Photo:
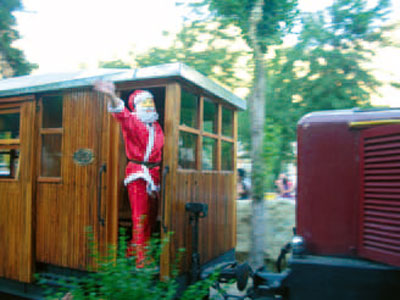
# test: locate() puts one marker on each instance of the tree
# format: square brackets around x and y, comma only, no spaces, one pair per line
[203,46]
[200,45]
[12,60]
[327,68]
[263,23]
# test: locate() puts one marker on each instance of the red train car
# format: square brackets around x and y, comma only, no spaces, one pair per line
[349,184]
[348,205]
[347,242]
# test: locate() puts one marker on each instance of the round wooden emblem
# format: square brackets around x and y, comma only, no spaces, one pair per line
[83,157]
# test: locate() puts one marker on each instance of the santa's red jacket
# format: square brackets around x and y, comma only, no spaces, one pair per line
[143,143]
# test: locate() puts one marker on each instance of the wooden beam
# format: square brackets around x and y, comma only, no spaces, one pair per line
[9,109]
[170,159]
[189,129]
[51,130]
[17,98]
[146,84]
[4,142]
[210,135]
[114,195]
[219,150]
[9,147]
[228,139]
[234,184]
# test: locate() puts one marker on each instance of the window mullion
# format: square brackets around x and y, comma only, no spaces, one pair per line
[200,136]
[219,130]
[9,142]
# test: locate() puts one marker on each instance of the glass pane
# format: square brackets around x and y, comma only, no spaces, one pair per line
[210,119]
[227,122]
[209,154]
[189,109]
[187,150]
[52,112]
[51,155]
[9,126]
[227,156]
[9,160]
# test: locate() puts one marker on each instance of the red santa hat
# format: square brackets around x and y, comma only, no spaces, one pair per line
[137,97]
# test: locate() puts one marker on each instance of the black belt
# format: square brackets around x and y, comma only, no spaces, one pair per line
[147,164]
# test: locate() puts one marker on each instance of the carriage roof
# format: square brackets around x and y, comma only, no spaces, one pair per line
[350,115]
[50,82]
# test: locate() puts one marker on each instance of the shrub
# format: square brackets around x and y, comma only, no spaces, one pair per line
[116,277]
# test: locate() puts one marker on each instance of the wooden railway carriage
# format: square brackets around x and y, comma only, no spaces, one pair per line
[62,165]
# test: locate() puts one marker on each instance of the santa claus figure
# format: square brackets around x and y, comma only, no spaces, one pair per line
[144,141]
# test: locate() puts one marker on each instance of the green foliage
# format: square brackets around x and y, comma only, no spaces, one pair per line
[327,68]
[12,56]
[278,17]
[203,46]
[116,277]
[118,64]
[275,152]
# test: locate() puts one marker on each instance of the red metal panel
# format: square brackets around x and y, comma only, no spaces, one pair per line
[328,192]
[380,194]
[333,179]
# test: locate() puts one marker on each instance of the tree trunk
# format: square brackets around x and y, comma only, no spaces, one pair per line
[257,115]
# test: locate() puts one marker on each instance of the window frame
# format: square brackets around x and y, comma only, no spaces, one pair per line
[200,133]
[48,131]
[12,144]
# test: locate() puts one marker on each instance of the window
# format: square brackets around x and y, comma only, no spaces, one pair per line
[210,116]
[9,163]
[206,140]
[51,132]
[189,109]
[209,154]
[227,122]
[187,150]
[9,143]
[226,156]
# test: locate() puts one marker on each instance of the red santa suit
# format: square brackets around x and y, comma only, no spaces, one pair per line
[144,140]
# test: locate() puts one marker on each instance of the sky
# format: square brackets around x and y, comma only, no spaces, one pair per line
[64,35]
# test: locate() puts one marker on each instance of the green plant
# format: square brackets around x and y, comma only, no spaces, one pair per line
[115,276]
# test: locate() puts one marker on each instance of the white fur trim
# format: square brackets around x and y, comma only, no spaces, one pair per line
[145,175]
[142,96]
[150,142]
[116,109]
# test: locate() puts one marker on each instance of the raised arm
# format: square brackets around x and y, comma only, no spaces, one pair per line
[108,89]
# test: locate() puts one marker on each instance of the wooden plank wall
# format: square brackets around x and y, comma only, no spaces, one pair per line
[16,221]
[216,232]
[65,209]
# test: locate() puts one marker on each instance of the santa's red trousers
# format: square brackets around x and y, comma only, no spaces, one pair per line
[144,215]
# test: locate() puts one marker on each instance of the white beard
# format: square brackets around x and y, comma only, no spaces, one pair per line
[147,117]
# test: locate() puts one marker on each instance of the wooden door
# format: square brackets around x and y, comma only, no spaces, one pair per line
[16,188]
[73,138]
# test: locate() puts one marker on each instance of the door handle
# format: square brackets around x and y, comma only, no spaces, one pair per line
[164,177]
[102,170]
